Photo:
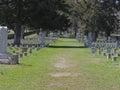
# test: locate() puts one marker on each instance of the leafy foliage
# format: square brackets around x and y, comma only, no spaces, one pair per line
[51,15]
[97,15]
[45,14]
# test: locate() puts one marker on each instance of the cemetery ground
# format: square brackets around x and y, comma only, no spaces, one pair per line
[62,68]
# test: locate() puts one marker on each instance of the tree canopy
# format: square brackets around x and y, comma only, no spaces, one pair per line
[97,15]
[51,15]
[44,14]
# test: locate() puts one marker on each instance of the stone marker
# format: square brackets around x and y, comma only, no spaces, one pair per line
[89,39]
[4,56]
[21,55]
[114,58]
[25,53]
[24,49]
[108,56]
[93,50]
[103,54]
[51,36]
[14,59]
[42,36]
[108,50]
[30,50]
[118,54]
[99,50]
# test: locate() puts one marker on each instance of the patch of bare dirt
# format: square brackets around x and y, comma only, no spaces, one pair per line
[65,74]
[61,63]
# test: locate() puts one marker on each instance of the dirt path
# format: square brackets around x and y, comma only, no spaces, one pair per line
[64,68]
[62,63]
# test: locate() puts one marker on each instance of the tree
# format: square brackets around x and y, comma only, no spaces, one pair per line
[38,14]
[97,15]
[108,16]
[52,15]
[16,14]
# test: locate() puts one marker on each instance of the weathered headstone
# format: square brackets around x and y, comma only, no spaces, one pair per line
[4,56]
[93,50]
[99,50]
[108,50]
[25,54]
[51,36]
[78,37]
[115,51]
[108,56]
[3,39]
[24,49]
[42,36]
[30,50]
[109,38]
[89,39]
[103,54]
[14,59]
[118,54]
[114,58]
[21,55]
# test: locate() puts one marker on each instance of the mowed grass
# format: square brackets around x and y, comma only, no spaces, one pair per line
[67,42]
[61,69]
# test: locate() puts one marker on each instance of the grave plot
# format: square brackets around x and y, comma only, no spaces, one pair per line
[110,49]
[27,46]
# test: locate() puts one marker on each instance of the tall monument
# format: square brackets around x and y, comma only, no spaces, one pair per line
[3,45]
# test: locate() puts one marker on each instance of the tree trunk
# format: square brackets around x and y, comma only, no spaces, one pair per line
[17,35]
[75,28]
[22,32]
[107,34]
[95,35]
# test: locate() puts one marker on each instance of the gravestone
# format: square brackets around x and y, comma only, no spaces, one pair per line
[4,56]
[109,38]
[103,54]
[108,56]
[78,37]
[14,59]
[21,55]
[114,58]
[99,50]
[108,49]
[42,35]
[30,50]
[93,50]
[51,36]
[89,39]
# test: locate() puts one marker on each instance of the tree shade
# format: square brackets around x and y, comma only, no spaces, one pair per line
[97,15]
[45,14]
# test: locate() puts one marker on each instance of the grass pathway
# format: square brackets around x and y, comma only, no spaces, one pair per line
[61,69]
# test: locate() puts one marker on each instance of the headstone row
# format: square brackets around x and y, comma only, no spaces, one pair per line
[110,49]
[27,45]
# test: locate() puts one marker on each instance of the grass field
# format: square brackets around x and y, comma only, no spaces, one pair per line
[61,69]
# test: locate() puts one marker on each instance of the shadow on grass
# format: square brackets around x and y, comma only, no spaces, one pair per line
[22,64]
[66,46]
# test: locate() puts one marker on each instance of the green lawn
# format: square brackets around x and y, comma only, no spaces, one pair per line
[61,69]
